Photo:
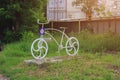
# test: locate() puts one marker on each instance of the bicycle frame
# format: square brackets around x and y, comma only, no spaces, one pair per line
[53,29]
[63,34]
[39,47]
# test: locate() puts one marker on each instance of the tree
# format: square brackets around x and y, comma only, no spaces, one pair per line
[16,15]
[89,7]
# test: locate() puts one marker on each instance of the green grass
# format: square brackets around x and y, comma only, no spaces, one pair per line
[90,42]
[87,65]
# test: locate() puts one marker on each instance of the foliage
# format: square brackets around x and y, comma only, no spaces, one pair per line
[20,48]
[20,15]
[11,36]
[90,42]
[90,7]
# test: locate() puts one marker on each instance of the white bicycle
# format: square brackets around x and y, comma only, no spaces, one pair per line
[39,47]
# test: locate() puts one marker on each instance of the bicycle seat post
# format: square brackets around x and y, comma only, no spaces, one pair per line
[63,33]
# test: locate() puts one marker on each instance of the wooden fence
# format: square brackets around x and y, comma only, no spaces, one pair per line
[96,25]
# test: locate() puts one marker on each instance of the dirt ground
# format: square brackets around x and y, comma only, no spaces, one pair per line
[3,77]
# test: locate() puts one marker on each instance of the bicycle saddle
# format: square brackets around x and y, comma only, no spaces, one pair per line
[63,27]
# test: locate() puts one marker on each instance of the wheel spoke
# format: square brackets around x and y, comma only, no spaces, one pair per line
[39,48]
[40,44]
[36,50]
[72,46]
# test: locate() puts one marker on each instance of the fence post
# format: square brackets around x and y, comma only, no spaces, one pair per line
[115,26]
[52,24]
[79,27]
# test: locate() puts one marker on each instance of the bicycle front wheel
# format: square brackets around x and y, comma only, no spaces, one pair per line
[72,46]
[39,48]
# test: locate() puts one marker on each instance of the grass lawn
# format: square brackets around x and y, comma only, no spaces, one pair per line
[98,59]
[84,66]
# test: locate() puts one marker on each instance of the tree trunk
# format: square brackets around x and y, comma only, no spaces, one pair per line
[17,22]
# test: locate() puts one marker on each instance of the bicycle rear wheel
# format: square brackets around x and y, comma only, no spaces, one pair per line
[72,46]
[39,48]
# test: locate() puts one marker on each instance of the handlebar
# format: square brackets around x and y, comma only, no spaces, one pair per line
[38,22]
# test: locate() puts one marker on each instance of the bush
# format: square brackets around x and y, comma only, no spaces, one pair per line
[21,48]
[11,36]
[28,36]
[98,42]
